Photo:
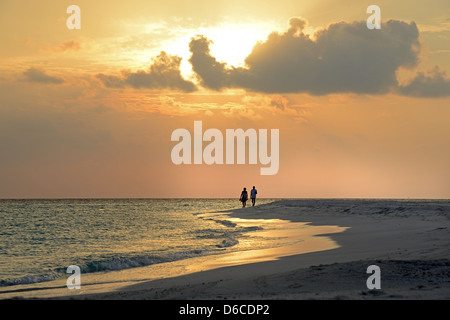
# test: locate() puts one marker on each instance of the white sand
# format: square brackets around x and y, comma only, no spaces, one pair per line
[409,241]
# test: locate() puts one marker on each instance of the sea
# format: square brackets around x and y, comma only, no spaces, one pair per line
[41,238]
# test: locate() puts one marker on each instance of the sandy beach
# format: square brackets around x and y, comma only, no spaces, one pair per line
[408,241]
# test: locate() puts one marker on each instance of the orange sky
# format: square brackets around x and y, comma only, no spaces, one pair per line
[90,112]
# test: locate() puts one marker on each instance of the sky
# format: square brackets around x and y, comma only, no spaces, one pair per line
[89,112]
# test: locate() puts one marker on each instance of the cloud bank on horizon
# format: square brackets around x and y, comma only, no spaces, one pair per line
[345,57]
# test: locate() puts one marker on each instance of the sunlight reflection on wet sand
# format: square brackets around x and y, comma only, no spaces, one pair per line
[282,238]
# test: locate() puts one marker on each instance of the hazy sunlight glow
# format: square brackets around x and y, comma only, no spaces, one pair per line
[231,43]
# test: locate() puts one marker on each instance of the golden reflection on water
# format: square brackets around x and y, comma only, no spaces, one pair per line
[278,238]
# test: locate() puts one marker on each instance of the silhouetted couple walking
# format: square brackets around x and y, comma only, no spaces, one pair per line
[244,196]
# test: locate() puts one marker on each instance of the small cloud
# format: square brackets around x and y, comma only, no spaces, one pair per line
[65,46]
[36,75]
[163,73]
[70,45]
[434,83]
[296,25]
[279,102]
[111,81]
[441,27]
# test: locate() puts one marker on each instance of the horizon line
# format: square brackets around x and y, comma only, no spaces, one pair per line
[221,198]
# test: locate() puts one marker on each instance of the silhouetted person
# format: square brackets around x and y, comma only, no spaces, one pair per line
[253,193]
[244,197]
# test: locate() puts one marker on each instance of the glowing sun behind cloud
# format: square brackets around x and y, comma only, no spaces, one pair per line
[234,42]
[231,42]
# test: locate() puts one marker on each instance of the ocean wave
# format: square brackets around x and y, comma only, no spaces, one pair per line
[121,263]
[252,228]
[169,230]
[228,243]
[209,233]
[29,279]
[113,264]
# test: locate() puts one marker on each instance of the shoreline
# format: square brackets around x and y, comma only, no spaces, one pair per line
[408,241]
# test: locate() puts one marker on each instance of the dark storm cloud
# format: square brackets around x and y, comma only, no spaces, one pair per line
[343,58]
[163,73]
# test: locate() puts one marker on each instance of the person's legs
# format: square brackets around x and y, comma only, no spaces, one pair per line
[253,201]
